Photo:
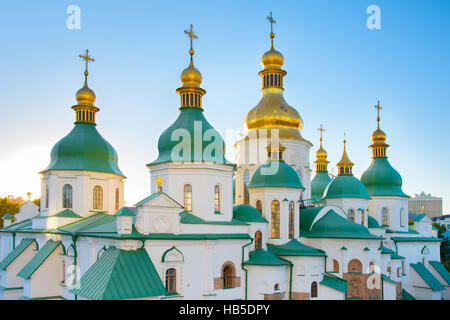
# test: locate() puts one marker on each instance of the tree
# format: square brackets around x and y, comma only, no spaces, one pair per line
[37,202]
[8,206]
[445,245]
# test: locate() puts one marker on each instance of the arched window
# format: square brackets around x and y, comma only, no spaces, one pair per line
[384,217]
[291,220]
[389,269]
[171,280]
[275,219]
[399,272]
[276,287]
[46,197]
[188,198]
[371,267]
[335,265]
[217,199]
[355,266]
[347,170]
[259,206]
[228,276]
[67,196]
[314,290]
[98,198]
[362,217]
[351,215]
[258,240]
[402,217]
[117,199]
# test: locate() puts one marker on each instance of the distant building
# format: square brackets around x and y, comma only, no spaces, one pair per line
[443,220]
[426,203]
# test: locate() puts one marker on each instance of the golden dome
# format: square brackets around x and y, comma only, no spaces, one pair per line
[378,136]
[272,59]
[191,76]
[321,153]
[85,96]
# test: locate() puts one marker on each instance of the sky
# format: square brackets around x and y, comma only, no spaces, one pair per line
[337,70]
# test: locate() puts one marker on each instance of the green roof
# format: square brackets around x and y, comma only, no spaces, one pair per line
[38,259]
[153,196]
[121,274]
[22,225]
[414,239]
[393,254]
[7,217]
[284,177]
[84,149]
[97,223]
[125,212]
[260,257]
[192,120]
[427,276]
[345,186]
[386,278]
[23,245]
[67,213]
[381,179]
[331,225]
[334,282]
[441,270]
[247,213]
[294,248]
[189,218]
[319,184]
[372,222]
[406,295]
[419,217]
[409,231]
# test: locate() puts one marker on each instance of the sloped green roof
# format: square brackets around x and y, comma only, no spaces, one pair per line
[409,231]
[294,248]
[67,213]
[247,213]
[331,225]
[189,218]
[153,196]
[23,245]
[97,223]
[406,295]
[372,222]
[427,276]
[441,270]
[334,282]
[419,217]
[22,225]
[125,212]
[38,259]
[192,120]
[386,278]
[121,274]
[381,179]
[284,177]
[260,257]
[84,149]
[393,254]
[345,186]
[7,217]
[319,184]
[414,239]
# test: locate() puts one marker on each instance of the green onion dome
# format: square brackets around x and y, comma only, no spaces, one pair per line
[201,137]
[284,177]
[372,223]
[84,149]
[319,184]
[381,179]
[247,213]
[345,186]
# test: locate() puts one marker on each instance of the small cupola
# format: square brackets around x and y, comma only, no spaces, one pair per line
[345,166]
[124,220]
[7,220]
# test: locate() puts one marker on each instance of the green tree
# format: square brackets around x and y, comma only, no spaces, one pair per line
[445,245]
[37,202]
[8,206]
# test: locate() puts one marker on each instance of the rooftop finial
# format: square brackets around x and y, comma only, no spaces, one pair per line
[192,36]
[272,21]
[378,107]
[86,57]
[321,129]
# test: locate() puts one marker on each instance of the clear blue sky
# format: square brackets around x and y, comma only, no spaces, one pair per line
[337,70]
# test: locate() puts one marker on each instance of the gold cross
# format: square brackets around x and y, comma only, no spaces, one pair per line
[378,107]
[321,129]
[192,36]
[272,21]
[88,59]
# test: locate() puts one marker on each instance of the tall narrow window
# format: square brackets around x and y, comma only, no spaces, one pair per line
[402,217]
[46,197]
[362,217]
[314,290]
[384,217]
[117,199]
[217,199]
[67,196]
[258,240]
[259,206]
[188,198]
[351,215]
[275,219]
[335,266]
[98,198]
[291,220]
[171,280]
[228,276]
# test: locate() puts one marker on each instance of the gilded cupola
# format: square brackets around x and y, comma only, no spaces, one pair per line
[273,112]
[379,145]
[321,155]
[345,166]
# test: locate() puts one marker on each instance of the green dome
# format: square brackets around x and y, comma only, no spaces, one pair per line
[84,149]
[345,186]
[187,120]
[285,177]
[247,213]
[381,179]
[372,222]
[319,184]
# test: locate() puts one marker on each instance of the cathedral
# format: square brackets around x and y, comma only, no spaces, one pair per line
[263,228]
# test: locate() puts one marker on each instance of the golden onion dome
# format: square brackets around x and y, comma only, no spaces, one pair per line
[321,153]
[378,136]
[272,59]
[85,96]
[191,76]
